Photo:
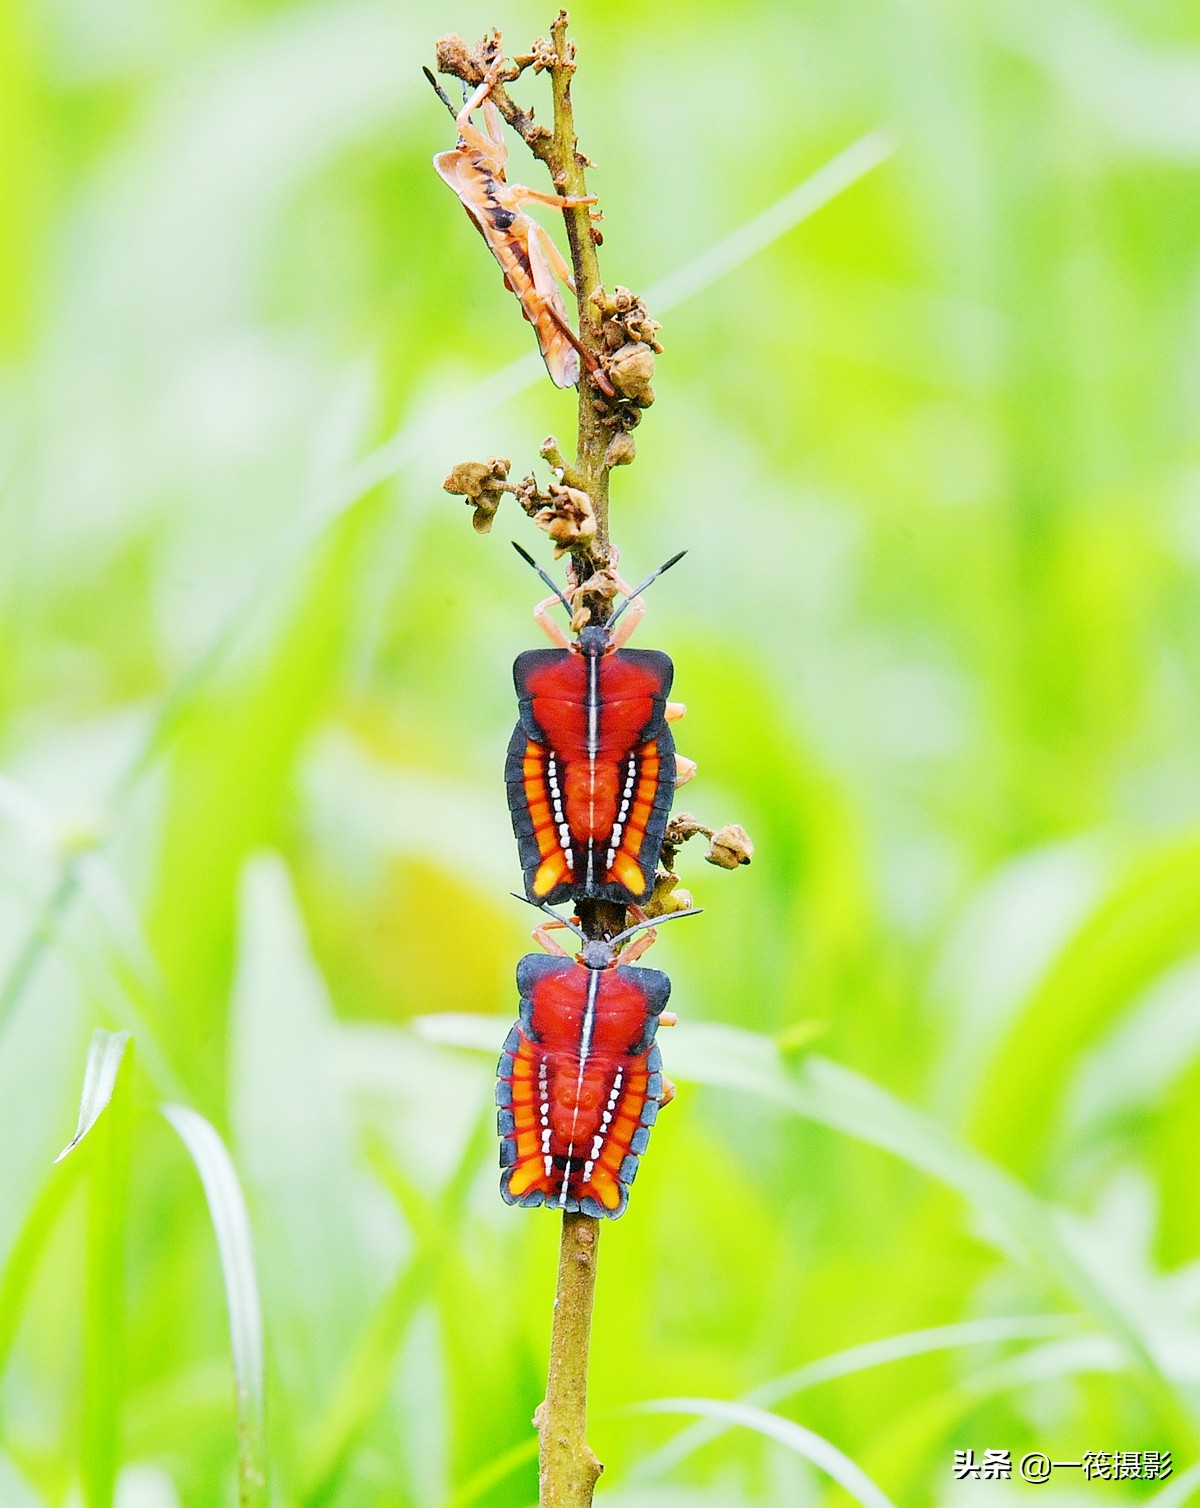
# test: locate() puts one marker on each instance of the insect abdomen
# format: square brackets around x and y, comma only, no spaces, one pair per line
[578,1089]
[590,773]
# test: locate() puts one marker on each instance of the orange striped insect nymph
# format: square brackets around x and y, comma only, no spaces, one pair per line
[532,264]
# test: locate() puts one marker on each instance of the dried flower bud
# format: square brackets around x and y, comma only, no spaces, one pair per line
[483,484]
[683,826]
[453,55]
[622,449]
[677,899]
[568,519]
[730,846]
[599,584]
[471,479]
[631,369]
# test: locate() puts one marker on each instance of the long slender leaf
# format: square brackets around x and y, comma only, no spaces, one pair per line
[804,1442]
[99,1078]
[231,1225]
[482,1481]
[26,1252]
[368,1372]
[1183,1490]
[15,1491]
[846,1364]
[104,1322]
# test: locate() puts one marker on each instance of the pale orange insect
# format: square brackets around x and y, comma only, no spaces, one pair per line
[528,257]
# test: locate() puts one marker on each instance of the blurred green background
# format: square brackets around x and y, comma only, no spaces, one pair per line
[935,458]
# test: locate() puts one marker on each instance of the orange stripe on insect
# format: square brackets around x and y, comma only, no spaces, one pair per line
[551,873]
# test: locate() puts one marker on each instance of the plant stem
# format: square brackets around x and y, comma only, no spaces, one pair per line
[567,1469]
[567,168]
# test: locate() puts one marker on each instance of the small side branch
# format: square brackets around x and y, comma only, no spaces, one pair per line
[568,1470]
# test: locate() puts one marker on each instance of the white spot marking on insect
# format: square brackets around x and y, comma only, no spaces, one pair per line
[544,1103]
[614,846]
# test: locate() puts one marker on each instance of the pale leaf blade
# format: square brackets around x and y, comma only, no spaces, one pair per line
[231,1226]
[99,1079]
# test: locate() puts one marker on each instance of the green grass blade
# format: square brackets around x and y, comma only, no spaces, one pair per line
[104,1317]
[365,1379]
[15,1491]
[1148,923]
[25,1254]
[845,1101]
[482,1481]
[847,1363]
[99,1078]
[834,177]
[804,1442]
[1183,1490]
[231,1225]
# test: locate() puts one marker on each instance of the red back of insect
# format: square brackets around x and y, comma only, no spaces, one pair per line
[591,772]
[579,1084]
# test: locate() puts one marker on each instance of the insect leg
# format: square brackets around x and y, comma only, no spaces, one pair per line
[471,133]
[633,615]
[674,711]
[668,1091]
[542,938]
[685,770]
[541,616]
[521,191]
[495,130]
[551,259]
[638,946]
[668,1018]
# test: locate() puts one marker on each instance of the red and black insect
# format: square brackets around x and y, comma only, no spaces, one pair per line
[591,767]
[579,1082]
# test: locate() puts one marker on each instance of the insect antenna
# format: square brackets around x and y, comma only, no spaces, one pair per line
[654,921]
[637,592]
[529,560]
[543,906]
[441,93]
